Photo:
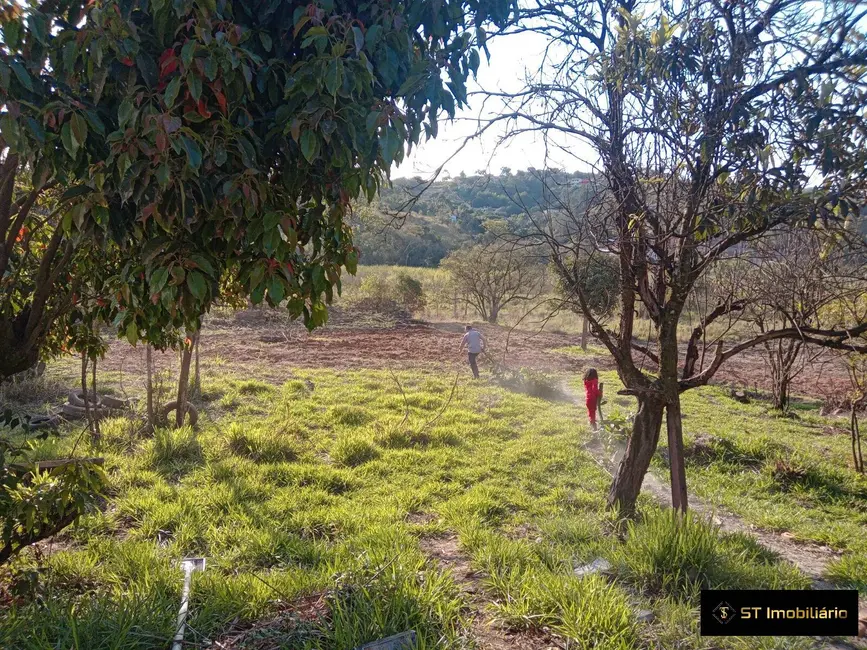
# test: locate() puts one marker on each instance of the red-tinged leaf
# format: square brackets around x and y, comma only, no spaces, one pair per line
[246,189]
[203,109]
[162,141]
[171,66]
[221,100]
[166,55]
[127,62]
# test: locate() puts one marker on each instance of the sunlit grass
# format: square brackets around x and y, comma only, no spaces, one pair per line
[309,486]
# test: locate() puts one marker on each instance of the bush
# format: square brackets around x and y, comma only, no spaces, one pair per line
[350,415]
[259,445]
[410,293]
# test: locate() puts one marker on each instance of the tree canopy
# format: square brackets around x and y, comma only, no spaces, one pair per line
[200,138]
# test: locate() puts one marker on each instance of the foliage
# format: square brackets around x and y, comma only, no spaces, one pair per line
[383,290]
[491,276]
[410,292]
[37,504]
[706,149]
[197,138]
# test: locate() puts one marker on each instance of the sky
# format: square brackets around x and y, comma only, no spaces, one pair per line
[511,56]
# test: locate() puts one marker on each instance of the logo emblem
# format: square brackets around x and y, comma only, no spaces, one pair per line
[724,613]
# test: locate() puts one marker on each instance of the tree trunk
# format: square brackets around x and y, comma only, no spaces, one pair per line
[150,388]
[493,314]
[781,398]
[857,458]
[642,445]
[184,384]
[674,426]
[96,431]
[585,332]
[197,380]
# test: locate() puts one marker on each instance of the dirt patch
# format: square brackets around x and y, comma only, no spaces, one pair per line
[296,623]
[446,553]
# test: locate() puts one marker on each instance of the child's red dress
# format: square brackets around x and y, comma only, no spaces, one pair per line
[591,390]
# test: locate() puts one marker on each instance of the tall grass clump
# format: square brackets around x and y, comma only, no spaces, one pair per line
[258,444]
[171,448]
[353,450]
[669,552]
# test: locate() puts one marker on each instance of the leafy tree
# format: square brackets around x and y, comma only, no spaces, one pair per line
[491,276]
[410,292]
[197,137]
[35,503]
[714,125]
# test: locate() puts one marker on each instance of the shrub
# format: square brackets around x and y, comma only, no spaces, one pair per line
[353,450]
[409,292]
[259,445]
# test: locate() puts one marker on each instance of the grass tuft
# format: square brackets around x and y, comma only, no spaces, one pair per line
[352,450]
[258,444]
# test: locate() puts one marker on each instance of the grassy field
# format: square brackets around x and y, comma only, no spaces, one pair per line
[328,487]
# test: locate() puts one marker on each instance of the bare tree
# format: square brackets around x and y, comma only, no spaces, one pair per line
[713,125]
[794,279]
[491,276]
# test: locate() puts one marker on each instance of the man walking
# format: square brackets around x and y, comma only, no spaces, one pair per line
[475,343]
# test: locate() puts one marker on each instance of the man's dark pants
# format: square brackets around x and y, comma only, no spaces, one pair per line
[472,357]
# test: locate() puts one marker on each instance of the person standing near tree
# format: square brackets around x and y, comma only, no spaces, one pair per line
[475,343]
[592,394]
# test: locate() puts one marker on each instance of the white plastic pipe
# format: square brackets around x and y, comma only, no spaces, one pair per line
[188,567]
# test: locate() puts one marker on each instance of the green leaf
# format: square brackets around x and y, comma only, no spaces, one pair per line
[359,38]
[194,153]
[197,284]
[309,145]
[172,92]
[163,175]
[125,112]
[132,333]
[69,142]
[372,36]
[159,279]
[266,41]
[202,262]
[276,290]
[22,75]
[211,68]
[75,191]
[333,76]
[372,119]
[187,52]
[9,129]
[195,86]
[79,128]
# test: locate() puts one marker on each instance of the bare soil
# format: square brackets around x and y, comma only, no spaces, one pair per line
[273,346]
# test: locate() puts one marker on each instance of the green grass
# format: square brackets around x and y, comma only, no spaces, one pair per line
[292,492]
[783,474]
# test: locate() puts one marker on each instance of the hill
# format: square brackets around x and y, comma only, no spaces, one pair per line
[412,225]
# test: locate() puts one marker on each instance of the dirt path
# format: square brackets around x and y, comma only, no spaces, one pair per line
[446,553]
[810,559]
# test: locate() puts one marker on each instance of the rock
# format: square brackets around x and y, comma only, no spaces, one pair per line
[787,535]
[740,396]
[646,616]
[598,565]
[403,641]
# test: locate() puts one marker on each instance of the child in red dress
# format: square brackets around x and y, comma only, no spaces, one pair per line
[591,391]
